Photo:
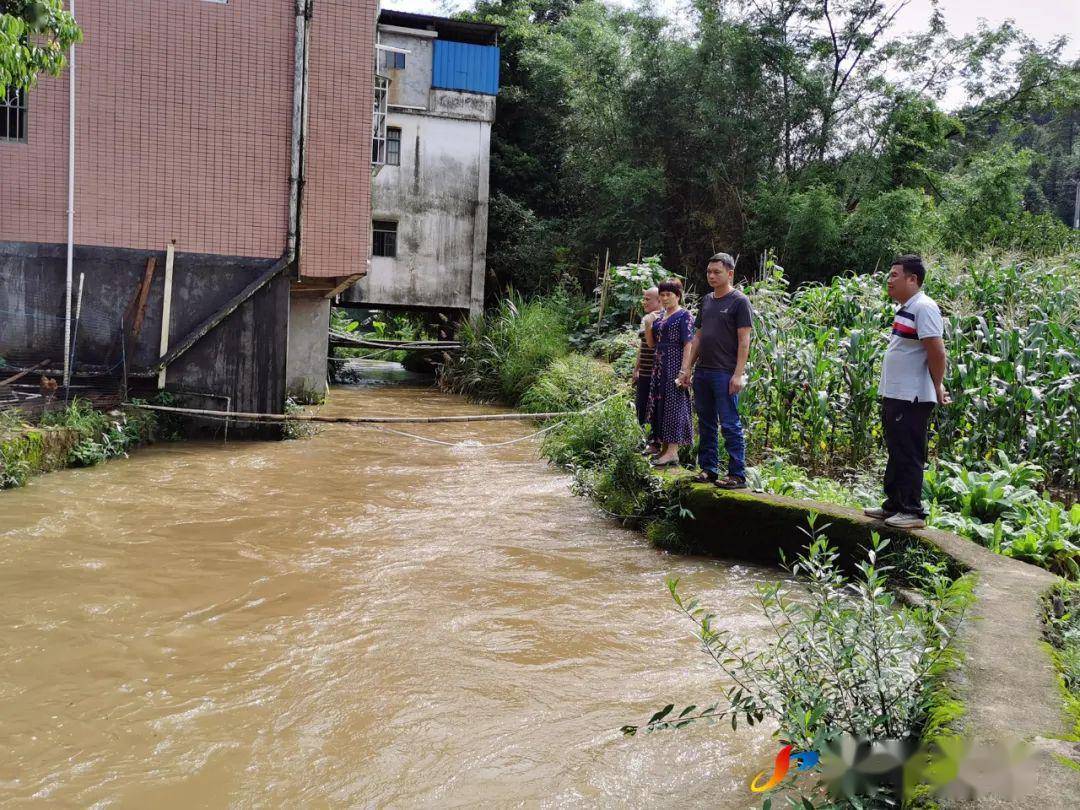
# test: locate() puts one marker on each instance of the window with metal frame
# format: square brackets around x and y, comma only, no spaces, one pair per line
[397,60]
[393,146]
[13,115]
[378,122]
[384,238]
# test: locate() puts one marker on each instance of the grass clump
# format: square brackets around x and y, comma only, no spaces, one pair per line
[101,435]
[602,448]
[569,384]
[504,352]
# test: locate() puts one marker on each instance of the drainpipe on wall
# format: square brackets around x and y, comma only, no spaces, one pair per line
[71,208]
[299,124]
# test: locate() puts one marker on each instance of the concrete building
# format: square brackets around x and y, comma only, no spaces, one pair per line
[240,135]
[430,190]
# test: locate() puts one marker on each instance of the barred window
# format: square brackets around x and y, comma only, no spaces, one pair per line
[393,146]
[384,238]
[13,115]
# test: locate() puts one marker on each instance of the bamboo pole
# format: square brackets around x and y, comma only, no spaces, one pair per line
[353,420]
[604,287]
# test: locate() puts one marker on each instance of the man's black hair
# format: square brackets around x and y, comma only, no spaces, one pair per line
[671,285]
[913,266]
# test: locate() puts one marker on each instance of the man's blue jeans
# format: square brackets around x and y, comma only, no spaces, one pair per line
[715,406]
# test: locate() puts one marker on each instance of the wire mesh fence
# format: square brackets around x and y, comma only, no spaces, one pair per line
[47,359]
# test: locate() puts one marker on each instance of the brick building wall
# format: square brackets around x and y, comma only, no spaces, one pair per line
[336,214]
[183,122]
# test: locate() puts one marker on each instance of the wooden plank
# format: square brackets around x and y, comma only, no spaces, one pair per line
[24,372]
[200,331]
[166,309]
[143,296]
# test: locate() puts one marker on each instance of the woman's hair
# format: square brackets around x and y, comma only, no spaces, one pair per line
[671,285]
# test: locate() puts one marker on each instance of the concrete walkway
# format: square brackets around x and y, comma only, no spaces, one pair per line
[1008,682]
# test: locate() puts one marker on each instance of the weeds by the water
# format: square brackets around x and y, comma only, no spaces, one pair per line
[847,658]
[504,353]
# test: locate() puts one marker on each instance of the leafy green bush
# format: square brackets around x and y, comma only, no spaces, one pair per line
[103,435]
[620,349]
[602,447]
[504,352]
[846,660]
[569,384]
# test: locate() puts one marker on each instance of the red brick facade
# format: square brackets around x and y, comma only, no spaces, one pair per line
[337,192]
[183,127]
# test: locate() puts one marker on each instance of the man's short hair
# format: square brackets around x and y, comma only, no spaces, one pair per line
[723,258]
[652,289]
[671,285]
[913,266]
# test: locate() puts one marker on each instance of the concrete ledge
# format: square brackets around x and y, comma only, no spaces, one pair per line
[1008,682]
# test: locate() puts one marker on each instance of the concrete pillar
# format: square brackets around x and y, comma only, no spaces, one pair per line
[309,323]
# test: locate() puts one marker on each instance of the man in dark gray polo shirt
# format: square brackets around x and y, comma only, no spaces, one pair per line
[720,348]
[912,383]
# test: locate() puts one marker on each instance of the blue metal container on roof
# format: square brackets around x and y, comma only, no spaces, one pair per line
[462,66]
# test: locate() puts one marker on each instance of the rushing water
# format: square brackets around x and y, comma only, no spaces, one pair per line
[358,619]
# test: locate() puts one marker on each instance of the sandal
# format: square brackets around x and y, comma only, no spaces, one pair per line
[673,463]
[704,477]
[731,482]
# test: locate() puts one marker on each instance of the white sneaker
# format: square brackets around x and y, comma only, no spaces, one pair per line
[877,513]
[902,521]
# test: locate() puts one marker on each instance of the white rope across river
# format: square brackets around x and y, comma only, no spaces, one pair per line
[377,422]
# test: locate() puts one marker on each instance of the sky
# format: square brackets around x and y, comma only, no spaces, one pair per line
[1041,19]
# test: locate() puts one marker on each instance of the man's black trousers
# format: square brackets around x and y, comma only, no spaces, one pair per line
[906,433]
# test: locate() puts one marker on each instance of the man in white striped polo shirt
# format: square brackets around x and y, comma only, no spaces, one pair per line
[912,383]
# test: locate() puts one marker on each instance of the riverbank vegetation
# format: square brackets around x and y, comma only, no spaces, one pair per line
[74,436]
[1006,445]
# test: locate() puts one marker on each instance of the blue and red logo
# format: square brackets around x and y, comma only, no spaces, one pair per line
[785,760]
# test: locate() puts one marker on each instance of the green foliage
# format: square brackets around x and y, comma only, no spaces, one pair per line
[846,658]
[982,199]
[602,447]
[505,351]
[34,38]
[1061,617]
[295,428]
[619,349]
[569,384]
[750,127]
[625,284]
[1013,338]
[101,435]
[885,226]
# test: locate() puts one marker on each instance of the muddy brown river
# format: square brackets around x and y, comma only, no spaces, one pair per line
[353,620]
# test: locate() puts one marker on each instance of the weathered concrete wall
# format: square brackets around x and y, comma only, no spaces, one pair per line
[409,87]
[242,358]
[439,198]
[309,321]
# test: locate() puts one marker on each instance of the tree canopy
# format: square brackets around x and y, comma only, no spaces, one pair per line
[34,37]
[810,129]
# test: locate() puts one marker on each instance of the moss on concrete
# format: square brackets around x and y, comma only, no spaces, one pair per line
[34,450]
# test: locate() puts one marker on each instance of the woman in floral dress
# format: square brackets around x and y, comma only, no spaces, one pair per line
[669,404]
